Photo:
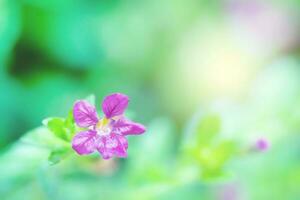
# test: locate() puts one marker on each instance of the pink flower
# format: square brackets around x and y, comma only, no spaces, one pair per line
[105,135]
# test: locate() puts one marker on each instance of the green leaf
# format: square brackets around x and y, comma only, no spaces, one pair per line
[70,125]
[57,126]
[208,127]
[58,154]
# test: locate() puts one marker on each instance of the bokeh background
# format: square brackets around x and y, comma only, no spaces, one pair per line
[207,77]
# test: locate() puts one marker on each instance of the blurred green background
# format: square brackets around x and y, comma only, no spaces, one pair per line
[207,78]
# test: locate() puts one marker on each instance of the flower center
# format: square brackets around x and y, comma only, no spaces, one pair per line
[103,126]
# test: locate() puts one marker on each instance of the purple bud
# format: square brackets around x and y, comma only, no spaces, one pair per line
[262,144]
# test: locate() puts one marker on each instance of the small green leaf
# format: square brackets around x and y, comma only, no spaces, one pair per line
[69,122]
[70,125]
[208,127]
[58,154]
[57,126]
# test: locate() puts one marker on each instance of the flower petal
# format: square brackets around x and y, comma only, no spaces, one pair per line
[120,150]
[85,114]
[112,145]
[114,105]
[84,142]
[126,127]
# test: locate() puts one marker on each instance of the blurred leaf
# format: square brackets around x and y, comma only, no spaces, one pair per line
[210,152]
[208,127]
[224,151]
[157,145]
[22,160]
[208,174]
[213,159]
[10,26]
[42,137]
[59,154]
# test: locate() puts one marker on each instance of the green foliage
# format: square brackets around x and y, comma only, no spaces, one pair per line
[57,126]
[63,129]
[207,129]
[208,149]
